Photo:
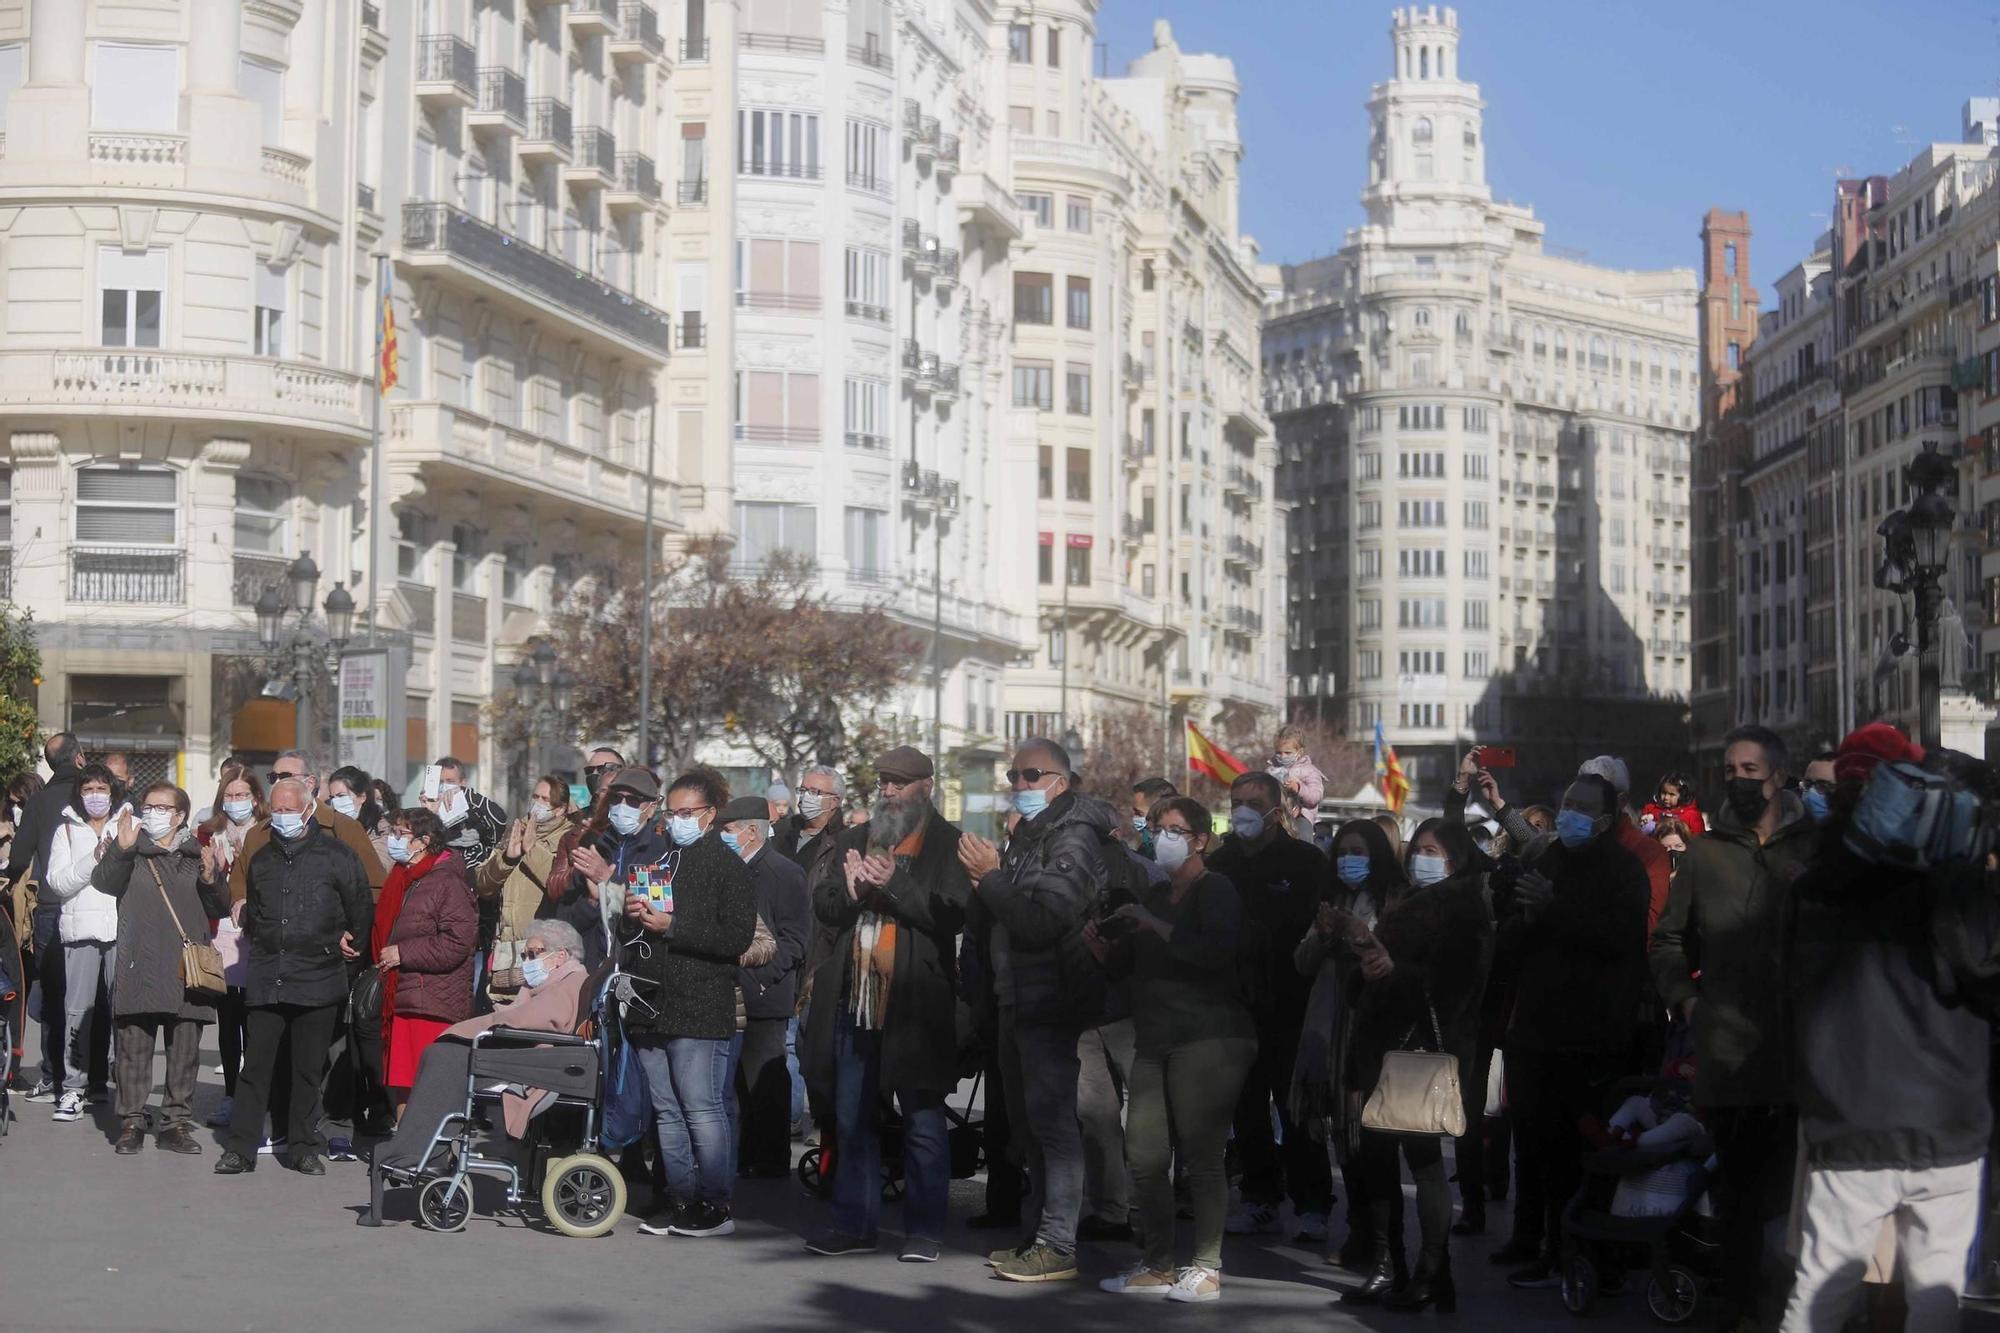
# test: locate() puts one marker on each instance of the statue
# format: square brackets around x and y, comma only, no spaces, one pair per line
[1163,34]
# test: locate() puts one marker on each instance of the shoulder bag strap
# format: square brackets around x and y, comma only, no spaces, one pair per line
[162,885]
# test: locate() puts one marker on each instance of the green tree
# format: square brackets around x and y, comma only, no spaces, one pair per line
[20,679]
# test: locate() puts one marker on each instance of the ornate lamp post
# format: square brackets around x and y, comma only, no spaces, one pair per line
[1916,550]
[294,642]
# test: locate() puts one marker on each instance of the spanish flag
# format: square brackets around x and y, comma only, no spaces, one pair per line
[1389,773]
[1205,756]
[385,339]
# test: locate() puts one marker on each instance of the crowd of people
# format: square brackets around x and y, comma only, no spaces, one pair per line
[1159,1003]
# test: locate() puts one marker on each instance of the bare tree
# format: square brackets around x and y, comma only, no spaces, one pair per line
[1122,747]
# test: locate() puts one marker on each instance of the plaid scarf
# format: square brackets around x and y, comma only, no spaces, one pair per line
[873,962]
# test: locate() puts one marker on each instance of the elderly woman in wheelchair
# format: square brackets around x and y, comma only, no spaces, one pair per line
[541,1051]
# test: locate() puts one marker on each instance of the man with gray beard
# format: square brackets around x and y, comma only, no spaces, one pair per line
[885,1005]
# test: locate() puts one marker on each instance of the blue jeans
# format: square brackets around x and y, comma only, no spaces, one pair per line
[792,1066]
[857,1157]
[729,1103]
[687,1076]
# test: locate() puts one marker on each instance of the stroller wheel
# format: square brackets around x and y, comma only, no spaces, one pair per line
[1579,1284]
[445,1203]
[583,1195]
[808,1170]
[1673,1295]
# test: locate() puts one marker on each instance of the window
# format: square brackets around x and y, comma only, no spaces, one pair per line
[1419,513]
[1476,664]
[1729,260]
[694,162]
[136,87]
[1420,563]
[1420,416]
[1055,47]
[1475,615]
[1076,213]
[1034,298]
[1042,206]
[1076,474]
[1735,357]
[1021,119]
[1045,558]
[777,275]
[864,543]
[122,505]
[1368,514]
[1021,44]
[413,544]
[1045,472]
[467,548]
[1077,564]
[1368,664]
[778,143]
[1420,465]
[1420,662]
[1148,583]
[763,530]
[1475,513]
[130,288]
[868,155]
[1368,467]
[264,85]
[1475,564]
[1420,613]
[868,284]
[1368,564]
[267,334]
[1052,119]
[1034,385]
[1422,319]
[1475,467]
[1079,303]
[777,406]
[1368,613]
[1475,420]
[11,62]
[867,414]
[1423,133]
[1420,715]
[1076,386]
[262,516]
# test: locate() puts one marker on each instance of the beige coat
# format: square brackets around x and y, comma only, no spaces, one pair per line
[522,886]
[549,1007]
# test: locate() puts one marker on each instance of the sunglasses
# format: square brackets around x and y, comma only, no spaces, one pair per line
[636,802]
[593,770]
[1016,776]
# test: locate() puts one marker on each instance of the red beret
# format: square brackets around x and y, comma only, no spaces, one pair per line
[1876,743]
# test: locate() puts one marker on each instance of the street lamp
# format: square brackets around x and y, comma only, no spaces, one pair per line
[546,690]
[928,493]
[1916,549]
[299,642]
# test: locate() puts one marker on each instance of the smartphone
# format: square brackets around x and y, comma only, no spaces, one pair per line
[433,781]
[1496,756]
[660,892]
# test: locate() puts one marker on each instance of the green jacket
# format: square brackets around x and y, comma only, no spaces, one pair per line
[1725,919]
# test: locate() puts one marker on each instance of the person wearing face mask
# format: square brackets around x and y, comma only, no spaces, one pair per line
[1817,787]
[166,882]
[601,764]
[238,807]
[1577,930]
[89,933]
[1659,867]
[293,764]
[809,832]
[1194,1043]
[426,931]
[690,950]
[513,885]
[350,792]
[620,835]
[1030,907]
[1729,907]
[1422,974]
[1146,793]
[305,914]
[473,823]
[42,817]
[1282,882]
[1295,770]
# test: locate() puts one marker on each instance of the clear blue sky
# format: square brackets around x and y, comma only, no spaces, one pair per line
[1620,121]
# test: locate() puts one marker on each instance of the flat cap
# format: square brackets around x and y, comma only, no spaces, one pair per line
[904,764]
[639,780]
[746,807]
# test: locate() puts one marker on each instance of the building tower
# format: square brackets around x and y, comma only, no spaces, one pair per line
[1427,147]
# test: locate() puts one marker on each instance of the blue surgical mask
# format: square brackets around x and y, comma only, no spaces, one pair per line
[684,829]
[399,849]
[625,819]
[239,812]
[732,842]
[346,804]
[534,972]
[1246,823]
[1425,869]
[1031,802]
[288,824]
[1353,870]
[1816,804]
[1138,823]
[1575,828]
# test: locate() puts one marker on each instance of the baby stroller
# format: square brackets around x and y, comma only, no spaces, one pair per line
[581,1191]
[965,1135]
[1642,1205]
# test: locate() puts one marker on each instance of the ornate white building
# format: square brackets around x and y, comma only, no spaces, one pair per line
[1485,442]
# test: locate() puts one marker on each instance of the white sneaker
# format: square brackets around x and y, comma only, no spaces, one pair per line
[223,1112]
[1196,1284]
[1251,1219]
[43,1091]
[1138,1280]
[1312,1228]
[272,1147]
[68,1107]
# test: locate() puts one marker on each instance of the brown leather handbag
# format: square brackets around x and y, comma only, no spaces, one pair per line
[201,962]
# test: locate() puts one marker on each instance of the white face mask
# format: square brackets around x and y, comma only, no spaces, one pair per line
[159,825]
[539,811]
[1171,850]
[1428,869]
[811,805]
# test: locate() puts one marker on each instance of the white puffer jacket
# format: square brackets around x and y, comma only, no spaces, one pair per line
[87,914]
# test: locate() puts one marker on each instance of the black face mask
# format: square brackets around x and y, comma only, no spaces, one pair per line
[1746,798]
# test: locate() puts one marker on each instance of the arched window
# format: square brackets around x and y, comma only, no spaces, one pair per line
[1462,326]
[1422,319]
[1600,354]
[1562,345]
[1422,132]
[1471,139]
[1423,62]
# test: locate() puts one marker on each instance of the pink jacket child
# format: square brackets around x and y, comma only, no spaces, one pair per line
[1293,768]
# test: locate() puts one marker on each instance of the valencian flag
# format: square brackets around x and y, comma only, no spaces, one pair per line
[1205,756]
[385,339]
[1389,773]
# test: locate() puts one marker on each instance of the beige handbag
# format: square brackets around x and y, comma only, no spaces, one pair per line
[201,963]
[1417,1092]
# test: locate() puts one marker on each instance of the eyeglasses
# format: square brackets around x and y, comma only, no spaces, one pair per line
[533,953]
[822,794]
[689,812]
[160,809]
[1016,776]
[636,802]
[1824,786]
[592,770]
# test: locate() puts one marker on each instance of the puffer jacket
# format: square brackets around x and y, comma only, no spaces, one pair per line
[301,895]
[148,979]
[1724,916]
[436,933]
[88,913]
[1047,885]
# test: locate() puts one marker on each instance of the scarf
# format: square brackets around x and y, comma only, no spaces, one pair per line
[873,963]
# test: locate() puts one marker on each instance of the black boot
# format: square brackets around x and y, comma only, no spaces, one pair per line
[1432,1285]
[1357,1252]
[1384,1267]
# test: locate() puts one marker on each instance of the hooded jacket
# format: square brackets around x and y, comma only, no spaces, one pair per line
[1047,885]
[1725,916]
[88,913]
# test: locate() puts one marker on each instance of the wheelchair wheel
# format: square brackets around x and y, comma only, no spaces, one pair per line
[445,1203]
[1673,1295]
[1579,1284]
[808,1170]
[583,1195]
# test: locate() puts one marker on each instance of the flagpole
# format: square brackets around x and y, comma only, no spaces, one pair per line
[646,599]
[375,456]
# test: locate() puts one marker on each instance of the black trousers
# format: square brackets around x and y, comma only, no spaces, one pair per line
[1298,1168]
[1481,1152]
[1755,1149]
[229,1011]
[764,1097]
[1548,1094]
[1004,1182]
[310,1030]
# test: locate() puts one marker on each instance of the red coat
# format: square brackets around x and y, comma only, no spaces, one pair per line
[1659,868]
[434,925]
[1689,814]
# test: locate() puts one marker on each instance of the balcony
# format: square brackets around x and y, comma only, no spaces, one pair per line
[690,332]
[921,130]
[947,267]
[947,154]
[783,44]
[1242,481]
[591,18]
[1243,551]
[920,248]
[944,381]
[637,186]
[251,573]
[595,166]
[868,442]
[503,102]
[548,135]
[989,204]
[870,55]
[447,72]
[371,16]
[511,464]
[186,386]
[126,576]
[867,312]
[440,236]
[1243,618]
[774,300]
[693,194]
[773,170]
[638,36]
[919,366]
[878,185]
[694,50]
